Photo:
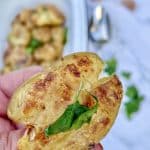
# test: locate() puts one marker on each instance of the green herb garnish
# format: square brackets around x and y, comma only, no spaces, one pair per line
[135,99]
[126,74]
[74,117]
[111,66]
[33,45]
[65,35]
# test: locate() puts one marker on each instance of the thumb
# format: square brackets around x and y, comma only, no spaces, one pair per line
[9,140]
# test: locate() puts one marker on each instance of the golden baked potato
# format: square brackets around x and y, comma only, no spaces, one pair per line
[50,53]
[53,36]
[16,57]
[41,104]
[19,35]
[48,15]
[25,18]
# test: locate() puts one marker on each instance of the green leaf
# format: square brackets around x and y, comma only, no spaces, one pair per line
[33,45]
[65,121]
[79,109]
[65,35]
[126,74]
[132,92]
[62,124]
[111,66]
[84,117]
[134,101]
[73,118]
[131,107]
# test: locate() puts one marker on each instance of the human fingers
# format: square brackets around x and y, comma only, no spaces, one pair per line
[5,125]
[10,81]
[8,140]
[96,147]
[3,104]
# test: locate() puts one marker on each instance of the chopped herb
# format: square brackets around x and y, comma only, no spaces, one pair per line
[134,102]
[132,92]
[111,66]
[65,35]
[126,74]
[33,45]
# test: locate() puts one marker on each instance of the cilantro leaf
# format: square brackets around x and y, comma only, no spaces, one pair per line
[131,107]
[132,92]
[111,66]
[134,101]
[126,74]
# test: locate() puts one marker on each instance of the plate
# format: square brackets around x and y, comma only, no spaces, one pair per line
[76,21]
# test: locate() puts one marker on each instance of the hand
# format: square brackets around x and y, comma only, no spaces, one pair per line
[10,132]
[96,147]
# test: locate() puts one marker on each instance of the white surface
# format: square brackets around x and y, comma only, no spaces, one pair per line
[71,8]
[130,43]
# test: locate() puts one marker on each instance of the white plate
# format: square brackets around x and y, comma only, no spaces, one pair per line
[74,10]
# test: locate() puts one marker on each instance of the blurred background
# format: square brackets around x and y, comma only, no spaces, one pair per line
[39,32]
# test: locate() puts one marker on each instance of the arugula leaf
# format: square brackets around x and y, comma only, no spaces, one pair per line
[126,74]
[111,66]
[134,101]
[33,45]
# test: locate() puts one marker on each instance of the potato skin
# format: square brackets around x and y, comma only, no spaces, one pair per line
[53,88]
[42,99]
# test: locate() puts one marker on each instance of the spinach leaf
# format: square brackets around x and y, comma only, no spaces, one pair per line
[74,117]
[79,109]
[84,117]
[62,124]
[65,121]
